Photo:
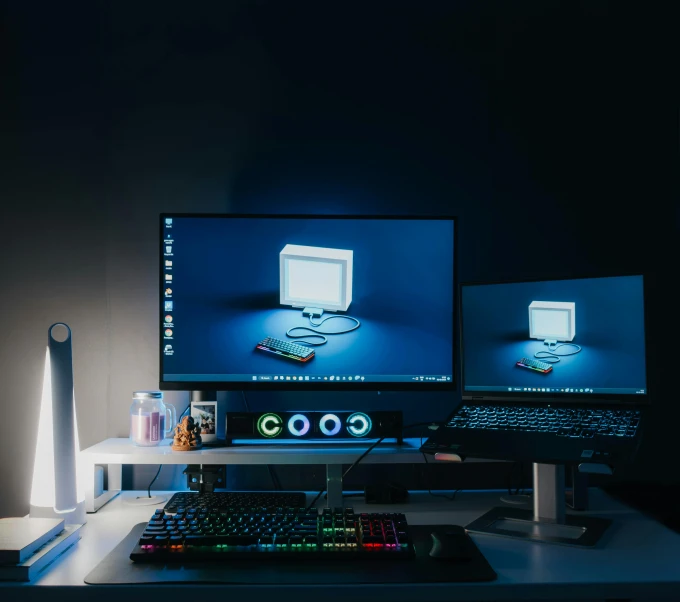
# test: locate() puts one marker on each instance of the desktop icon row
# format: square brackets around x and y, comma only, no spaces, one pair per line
[550,390]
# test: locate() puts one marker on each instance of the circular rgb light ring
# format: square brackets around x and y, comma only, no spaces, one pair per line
[295,431]
[333,418]
[363,420]
[269,431]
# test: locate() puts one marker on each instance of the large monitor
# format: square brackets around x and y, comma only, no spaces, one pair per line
[554,338]
[306,302]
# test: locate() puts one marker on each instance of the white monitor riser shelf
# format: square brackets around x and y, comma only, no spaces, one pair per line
[116,452]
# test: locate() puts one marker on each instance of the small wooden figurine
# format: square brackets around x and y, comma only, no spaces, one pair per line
[187,435]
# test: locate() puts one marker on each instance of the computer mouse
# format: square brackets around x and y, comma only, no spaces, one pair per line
[450,543]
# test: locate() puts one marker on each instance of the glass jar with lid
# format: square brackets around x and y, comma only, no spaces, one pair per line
[150,419]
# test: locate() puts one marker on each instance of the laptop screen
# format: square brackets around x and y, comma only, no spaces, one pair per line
[554,337]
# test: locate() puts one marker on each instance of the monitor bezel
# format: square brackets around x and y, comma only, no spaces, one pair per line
[165,385]
[520,396]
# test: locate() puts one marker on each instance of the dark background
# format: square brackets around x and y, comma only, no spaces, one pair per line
[519,117]
[609,329]
[226,297]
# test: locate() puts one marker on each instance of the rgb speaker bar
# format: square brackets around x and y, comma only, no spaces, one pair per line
[313,425]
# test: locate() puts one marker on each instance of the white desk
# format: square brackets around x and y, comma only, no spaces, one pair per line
[113,453]
[638,559]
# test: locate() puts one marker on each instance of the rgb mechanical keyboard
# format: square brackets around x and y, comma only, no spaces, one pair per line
[292,351]
[220,500]
[272,533]
[542,367]
[563,422]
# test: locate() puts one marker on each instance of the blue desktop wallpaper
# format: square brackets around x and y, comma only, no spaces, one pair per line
[225,294]
[609,329]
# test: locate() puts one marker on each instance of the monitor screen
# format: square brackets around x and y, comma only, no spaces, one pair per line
[293,302]
[557,337]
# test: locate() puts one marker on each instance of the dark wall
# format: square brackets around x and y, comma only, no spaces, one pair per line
[545,126]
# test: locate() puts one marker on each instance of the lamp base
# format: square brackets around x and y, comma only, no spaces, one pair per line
[78,516]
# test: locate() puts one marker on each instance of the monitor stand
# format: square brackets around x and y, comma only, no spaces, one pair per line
[548,521]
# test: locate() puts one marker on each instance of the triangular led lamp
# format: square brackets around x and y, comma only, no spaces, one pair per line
[57,490]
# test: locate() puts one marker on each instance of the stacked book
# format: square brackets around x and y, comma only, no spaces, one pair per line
[28,545]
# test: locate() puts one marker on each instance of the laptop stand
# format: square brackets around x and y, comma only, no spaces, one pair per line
[548,521]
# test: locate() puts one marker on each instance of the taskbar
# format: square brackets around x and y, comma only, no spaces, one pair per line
[561,390]
[316,378]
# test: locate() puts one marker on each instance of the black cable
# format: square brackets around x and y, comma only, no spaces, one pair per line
[148,489]
[362,456]
[427,480]
[429,488]
[315,499]
[408,426]
[274,478]
[344,474]
[154,480]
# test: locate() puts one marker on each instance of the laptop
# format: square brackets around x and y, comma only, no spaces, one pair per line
[552,371]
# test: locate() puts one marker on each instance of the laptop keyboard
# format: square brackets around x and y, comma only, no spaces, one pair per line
[563,422]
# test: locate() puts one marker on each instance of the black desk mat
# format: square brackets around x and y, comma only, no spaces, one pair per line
[118,569]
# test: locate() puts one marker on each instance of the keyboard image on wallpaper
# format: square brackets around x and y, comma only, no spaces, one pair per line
[273,534]
[291,351]
[542,367]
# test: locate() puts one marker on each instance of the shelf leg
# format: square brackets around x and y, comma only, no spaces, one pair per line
[114,473]
[88,476]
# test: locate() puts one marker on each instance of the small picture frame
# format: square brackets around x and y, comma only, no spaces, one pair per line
[204,414]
